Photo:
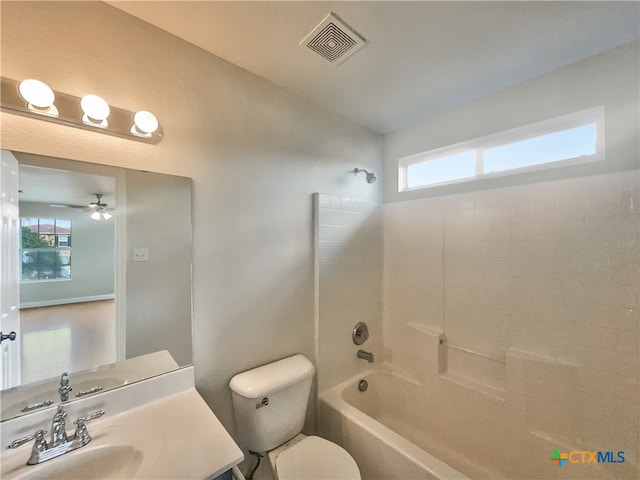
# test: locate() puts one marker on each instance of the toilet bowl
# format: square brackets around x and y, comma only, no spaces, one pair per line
[312,458]
[269,407]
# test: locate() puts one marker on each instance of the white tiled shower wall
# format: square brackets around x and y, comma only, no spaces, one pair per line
[348,283]
[539,282]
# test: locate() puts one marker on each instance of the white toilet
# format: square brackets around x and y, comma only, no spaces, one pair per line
[269,406]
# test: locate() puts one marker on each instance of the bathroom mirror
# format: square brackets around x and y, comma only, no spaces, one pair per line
[106,300]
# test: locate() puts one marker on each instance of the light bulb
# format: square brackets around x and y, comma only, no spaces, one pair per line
[36,93]
[145,122]
[95,108]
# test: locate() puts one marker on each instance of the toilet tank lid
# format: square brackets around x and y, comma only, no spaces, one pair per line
[273,377]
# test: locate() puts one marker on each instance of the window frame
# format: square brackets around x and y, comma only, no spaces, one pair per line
[478,145]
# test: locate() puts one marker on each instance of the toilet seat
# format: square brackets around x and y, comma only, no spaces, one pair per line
[315,458]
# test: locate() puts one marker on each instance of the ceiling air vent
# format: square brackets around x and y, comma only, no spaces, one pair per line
[333,40]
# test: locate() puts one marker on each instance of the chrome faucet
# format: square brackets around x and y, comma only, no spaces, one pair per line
[65,387]
[60,442]
[59,427]
[368,356]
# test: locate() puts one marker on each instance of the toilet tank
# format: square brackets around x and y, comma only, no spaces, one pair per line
[270,402]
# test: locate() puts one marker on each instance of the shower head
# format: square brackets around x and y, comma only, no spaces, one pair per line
[371,177]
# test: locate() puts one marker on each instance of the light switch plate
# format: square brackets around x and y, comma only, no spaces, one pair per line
[140,254]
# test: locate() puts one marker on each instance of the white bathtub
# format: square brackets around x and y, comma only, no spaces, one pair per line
[405,430]
[373,427]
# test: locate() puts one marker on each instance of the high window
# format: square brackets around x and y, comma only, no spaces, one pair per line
[567,140]
[45,249]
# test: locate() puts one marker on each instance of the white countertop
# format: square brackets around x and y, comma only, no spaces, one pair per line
[171,436]
[106,376]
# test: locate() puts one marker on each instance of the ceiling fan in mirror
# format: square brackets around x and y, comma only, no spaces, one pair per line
[99,210]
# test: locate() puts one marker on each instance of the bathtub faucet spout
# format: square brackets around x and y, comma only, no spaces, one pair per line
[368,356]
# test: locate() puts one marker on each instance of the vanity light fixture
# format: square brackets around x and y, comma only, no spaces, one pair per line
[96,110]
[34,98]
[144,123]
[38,95]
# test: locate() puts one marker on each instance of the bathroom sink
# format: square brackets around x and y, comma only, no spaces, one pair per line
[155,429]
[116,451]
[104,462]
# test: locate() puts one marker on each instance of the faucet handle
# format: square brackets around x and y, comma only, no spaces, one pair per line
[39,446]
[82,433]
[360,333]
[91,416]
[38,437]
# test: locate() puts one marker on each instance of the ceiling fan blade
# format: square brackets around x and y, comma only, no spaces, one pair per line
[66,205]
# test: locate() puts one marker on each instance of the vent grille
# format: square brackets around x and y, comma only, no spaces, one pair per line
[333,40]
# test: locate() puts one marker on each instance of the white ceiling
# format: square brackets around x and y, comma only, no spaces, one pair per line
[421,57]
[62,187]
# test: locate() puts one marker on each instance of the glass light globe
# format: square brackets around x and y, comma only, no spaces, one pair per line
[95,107]
[95,215]
[36,93]
[145,121]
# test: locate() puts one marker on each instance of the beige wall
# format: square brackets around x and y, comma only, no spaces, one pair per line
[255,153]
